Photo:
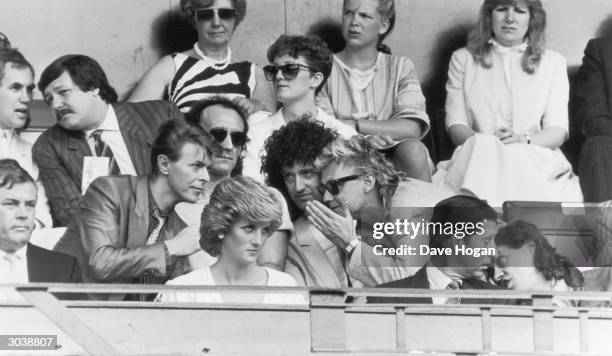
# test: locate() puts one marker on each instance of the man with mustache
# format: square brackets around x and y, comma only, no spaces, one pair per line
[16,89]
[20,261]
[94,136]
[126,229]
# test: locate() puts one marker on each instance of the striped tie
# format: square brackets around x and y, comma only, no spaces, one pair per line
[103,150]
[454,285]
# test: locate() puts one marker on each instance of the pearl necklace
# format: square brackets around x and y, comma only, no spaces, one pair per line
[216,64]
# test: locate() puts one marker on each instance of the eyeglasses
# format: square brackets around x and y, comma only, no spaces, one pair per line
[225,14]
[289,70]
[238,138]
[333,186]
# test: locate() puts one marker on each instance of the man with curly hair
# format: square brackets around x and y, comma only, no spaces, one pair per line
[288,165]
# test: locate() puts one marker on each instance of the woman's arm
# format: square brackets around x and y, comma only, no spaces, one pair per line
[460,133]
[154,82]
[264,91]
[551,137]
[399,129]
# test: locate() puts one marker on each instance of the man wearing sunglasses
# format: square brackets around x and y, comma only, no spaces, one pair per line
[358,181]
[299,67]
[288,165]
[226,122]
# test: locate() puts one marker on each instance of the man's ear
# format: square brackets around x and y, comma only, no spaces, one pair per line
[369,182]
[162,164]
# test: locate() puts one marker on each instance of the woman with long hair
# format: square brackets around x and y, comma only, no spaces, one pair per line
[527,261]
[506,110]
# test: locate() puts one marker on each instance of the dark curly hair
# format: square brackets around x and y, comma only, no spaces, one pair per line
[299,141]
[315,51]
[545,259]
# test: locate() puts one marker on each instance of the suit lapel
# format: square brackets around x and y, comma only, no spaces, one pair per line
[39,269]
[139,214]
[77,149]
[137,143]
[314,256]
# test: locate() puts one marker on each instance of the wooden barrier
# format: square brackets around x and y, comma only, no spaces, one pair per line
[327,325]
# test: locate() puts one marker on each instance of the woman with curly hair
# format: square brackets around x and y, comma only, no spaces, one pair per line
[506,110]
[298,69]
[208,68]
[239,217]
[358,181]
[527,261]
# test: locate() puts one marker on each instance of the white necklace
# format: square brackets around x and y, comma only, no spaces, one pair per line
[217,64]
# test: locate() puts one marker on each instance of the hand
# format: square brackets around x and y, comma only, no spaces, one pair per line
[185,243]
[508,136]
[249,105]
[380,142]
[338,229]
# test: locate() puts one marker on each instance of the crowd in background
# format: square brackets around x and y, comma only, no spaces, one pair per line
[218,171]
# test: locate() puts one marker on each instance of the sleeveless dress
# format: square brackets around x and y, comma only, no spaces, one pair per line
[196,79]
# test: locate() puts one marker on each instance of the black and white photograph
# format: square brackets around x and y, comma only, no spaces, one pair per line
[306,177]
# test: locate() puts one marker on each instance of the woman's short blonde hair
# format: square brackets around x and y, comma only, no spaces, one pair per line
[189,7]
[478,40]
[232,199]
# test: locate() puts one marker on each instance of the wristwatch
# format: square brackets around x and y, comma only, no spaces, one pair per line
[351,245]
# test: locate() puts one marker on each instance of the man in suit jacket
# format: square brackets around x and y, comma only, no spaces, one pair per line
[312,259]
[20,261]
[593,102]
[90,126]
[456,270]
[126,230]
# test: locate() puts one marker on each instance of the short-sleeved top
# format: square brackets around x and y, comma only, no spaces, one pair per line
[196,80]
[204,277]
[486,99]
[393,92]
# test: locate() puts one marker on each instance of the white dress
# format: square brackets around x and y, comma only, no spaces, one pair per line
[505,96]
[204,277]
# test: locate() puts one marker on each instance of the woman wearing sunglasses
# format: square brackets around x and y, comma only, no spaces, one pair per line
[377,93]
[188,76]
[239,218]
[357,181]
[298,69]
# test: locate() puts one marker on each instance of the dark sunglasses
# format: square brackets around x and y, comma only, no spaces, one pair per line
[209,14]
[289,70]
[333,186]
[238,138]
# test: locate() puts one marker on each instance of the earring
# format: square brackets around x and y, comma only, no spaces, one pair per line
[221,236]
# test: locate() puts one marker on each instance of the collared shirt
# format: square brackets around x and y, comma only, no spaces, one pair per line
[111,135]
[19,274]
[6,138]
[438,281]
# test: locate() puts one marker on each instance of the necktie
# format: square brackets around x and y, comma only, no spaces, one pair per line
[454,285]
[103,150]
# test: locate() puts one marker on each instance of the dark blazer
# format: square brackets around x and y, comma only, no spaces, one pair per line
[420,281]
[45,266]
[59,153]
[110,234]
[592,100]
[51,266]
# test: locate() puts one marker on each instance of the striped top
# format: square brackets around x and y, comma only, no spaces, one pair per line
[196,80]
[390,90]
